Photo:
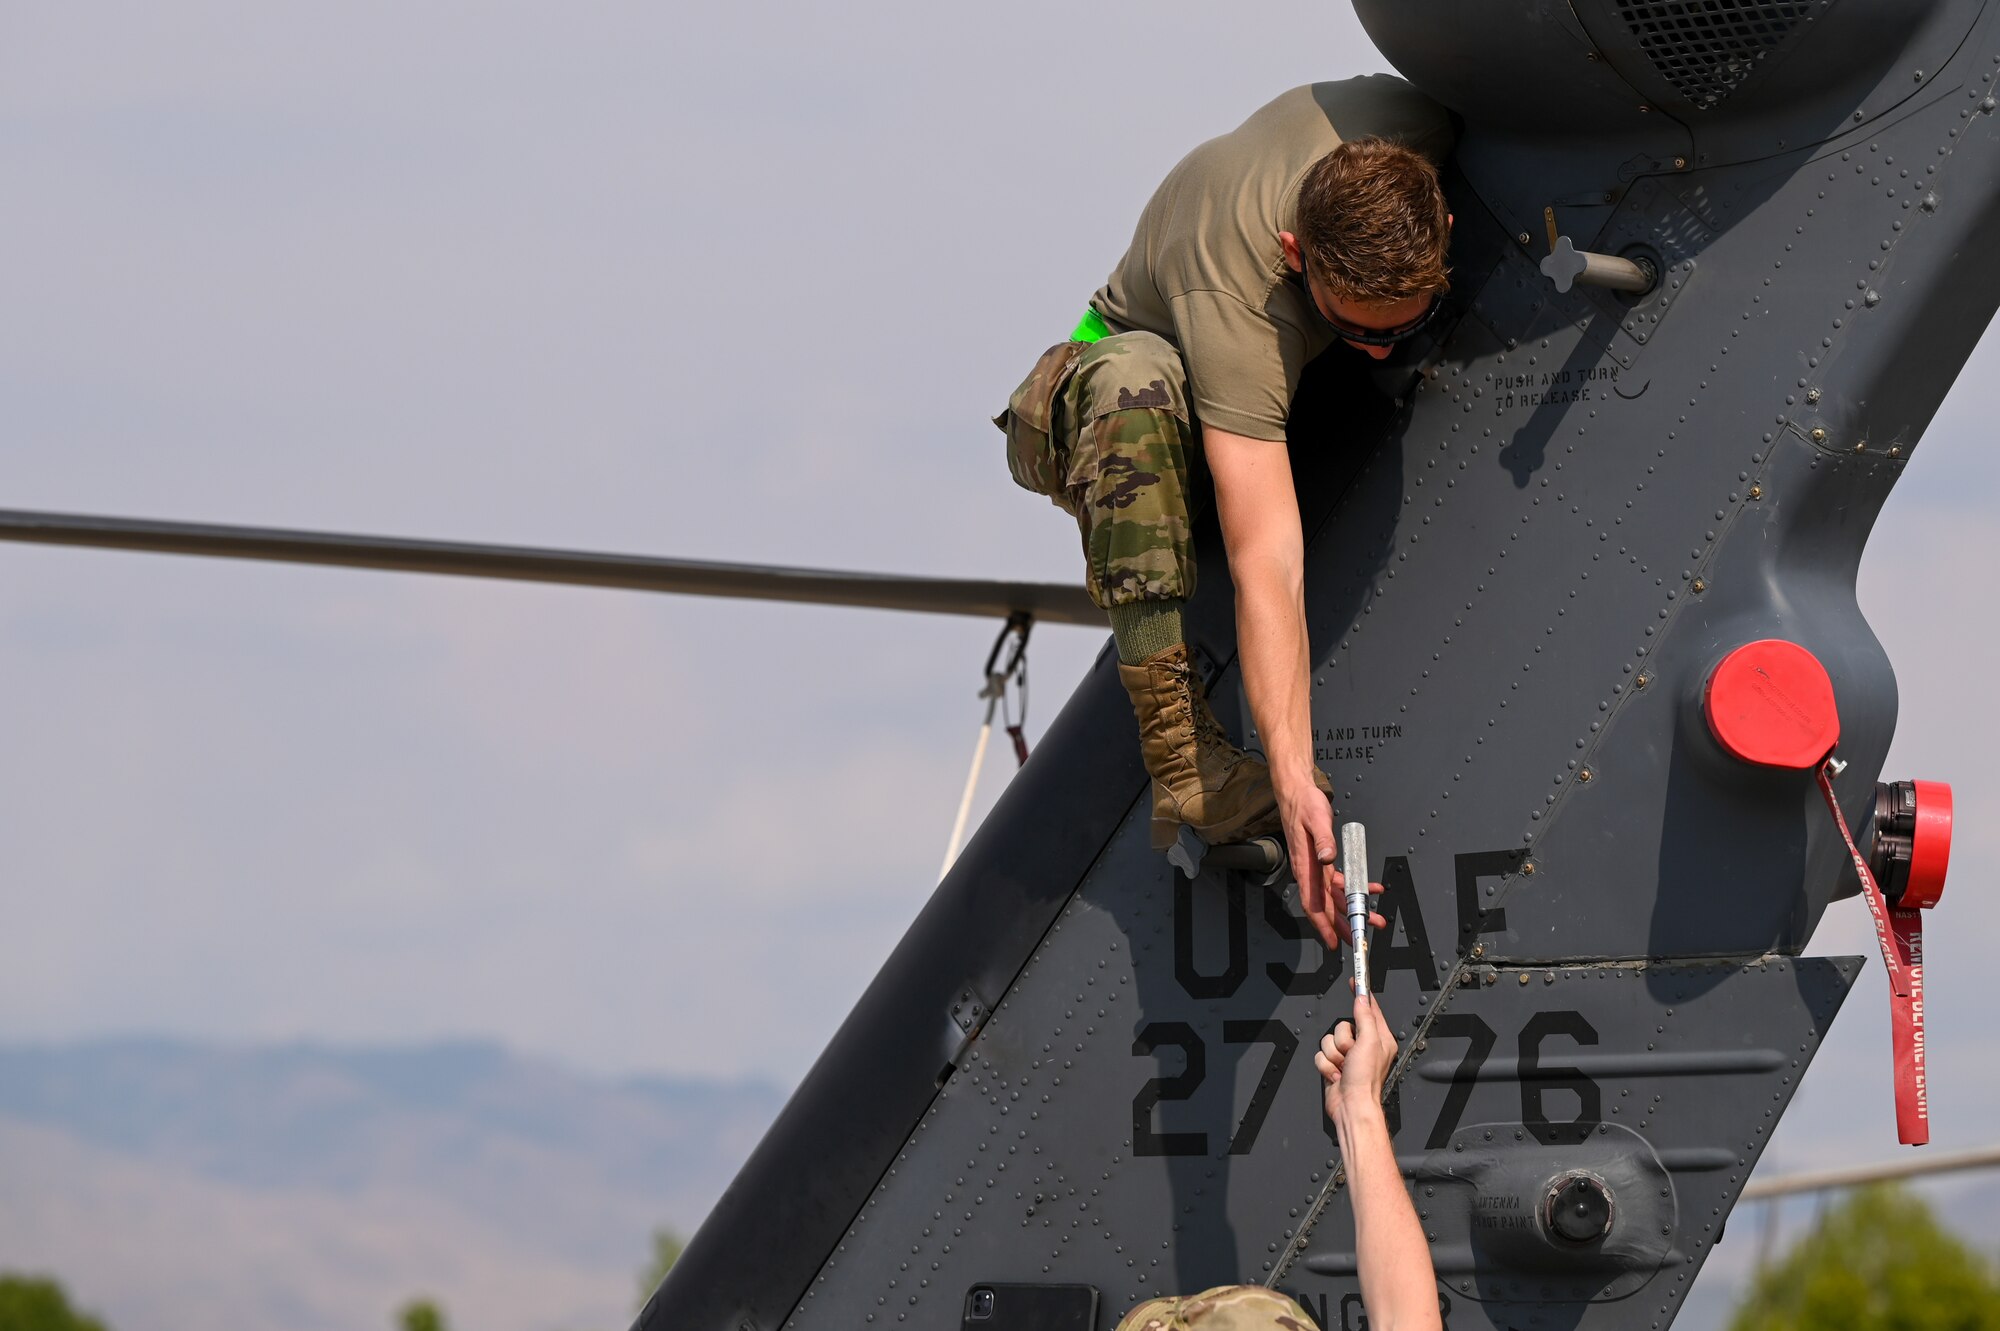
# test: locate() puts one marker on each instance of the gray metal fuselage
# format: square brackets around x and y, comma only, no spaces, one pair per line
[1531,539]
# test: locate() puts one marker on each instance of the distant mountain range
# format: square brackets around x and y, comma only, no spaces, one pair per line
[183,1186]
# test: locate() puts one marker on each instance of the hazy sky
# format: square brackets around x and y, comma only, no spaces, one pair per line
[736,282]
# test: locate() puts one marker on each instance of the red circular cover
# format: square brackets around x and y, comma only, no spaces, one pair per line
[1930,848]
[1771,703]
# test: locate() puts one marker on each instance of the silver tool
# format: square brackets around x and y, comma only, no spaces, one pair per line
[1354,868]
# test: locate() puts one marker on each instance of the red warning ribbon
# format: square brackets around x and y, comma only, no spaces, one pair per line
[1901,934]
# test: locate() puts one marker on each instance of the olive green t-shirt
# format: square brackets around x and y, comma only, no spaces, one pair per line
[1206,270]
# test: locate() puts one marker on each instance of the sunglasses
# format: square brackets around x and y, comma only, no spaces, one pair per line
[1374,337]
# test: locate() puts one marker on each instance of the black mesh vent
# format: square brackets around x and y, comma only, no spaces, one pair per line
[1707,48]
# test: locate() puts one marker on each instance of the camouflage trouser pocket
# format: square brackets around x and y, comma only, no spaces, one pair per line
[1029,422]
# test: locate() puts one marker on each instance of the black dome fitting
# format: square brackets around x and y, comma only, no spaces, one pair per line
[1577,1208]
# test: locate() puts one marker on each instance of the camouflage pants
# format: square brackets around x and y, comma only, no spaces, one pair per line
[1103,429]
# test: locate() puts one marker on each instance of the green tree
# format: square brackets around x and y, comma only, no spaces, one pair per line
[1878,1261]
[36,1303]
[421,1315]
[667,1247]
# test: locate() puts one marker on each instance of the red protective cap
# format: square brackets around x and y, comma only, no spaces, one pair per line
[1930,847]
[1771,703]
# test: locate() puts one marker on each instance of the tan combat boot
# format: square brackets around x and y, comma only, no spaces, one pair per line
[1199,778]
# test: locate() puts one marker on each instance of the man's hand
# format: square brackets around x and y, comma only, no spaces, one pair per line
[1355,1058]
[1314,850]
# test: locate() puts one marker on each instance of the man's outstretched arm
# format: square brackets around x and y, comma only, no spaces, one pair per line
[1398,1283]
[1259,512]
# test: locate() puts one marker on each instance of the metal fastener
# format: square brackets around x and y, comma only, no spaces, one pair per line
[1528,868]
[1812,395]
[1524,977]
[1585,775]
[1642,681]
[1423,1045]
[1895,450]
[1756,492]
[1861,447]
[1525,238]
[1818,435]
[1479,949]
[1700,586]
[1680,164]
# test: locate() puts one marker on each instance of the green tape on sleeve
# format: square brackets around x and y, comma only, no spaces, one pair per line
[1090,328]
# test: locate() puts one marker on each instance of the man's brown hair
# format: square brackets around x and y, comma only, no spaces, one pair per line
[1373,226]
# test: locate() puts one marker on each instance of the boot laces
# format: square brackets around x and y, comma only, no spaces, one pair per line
[1207,730]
